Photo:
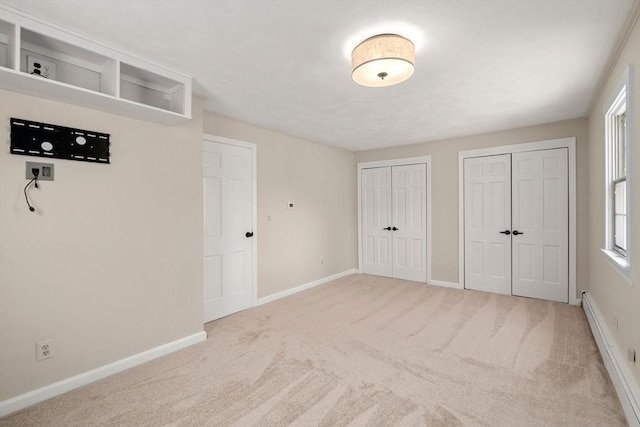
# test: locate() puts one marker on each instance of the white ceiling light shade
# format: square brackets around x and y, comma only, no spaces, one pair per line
[383,60]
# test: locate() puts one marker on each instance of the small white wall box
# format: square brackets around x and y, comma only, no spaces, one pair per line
[290,205]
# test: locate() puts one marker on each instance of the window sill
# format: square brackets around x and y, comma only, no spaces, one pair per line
[620,263]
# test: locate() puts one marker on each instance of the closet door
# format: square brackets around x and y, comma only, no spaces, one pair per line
[541,224]
[376,221]
[487,223]
[409,225]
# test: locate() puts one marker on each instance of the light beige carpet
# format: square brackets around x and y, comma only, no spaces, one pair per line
[364,351]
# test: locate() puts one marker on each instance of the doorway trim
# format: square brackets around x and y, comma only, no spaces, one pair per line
[396,162]
[570,144]
[254,208]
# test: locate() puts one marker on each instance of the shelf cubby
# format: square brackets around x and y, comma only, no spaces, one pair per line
[7,44]
[44,60]
[141,85]
[71,64]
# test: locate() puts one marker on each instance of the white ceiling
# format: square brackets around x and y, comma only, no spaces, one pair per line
[481,65]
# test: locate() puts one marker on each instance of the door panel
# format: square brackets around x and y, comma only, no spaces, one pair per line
[228,215]
[540,212]
[394,197]
[213,277]
[410,219]
[487,201]
[376,216]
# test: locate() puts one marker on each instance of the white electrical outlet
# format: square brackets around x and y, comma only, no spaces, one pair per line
[41,67]
[44,350]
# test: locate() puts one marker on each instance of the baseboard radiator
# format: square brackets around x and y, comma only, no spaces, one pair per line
[621,376]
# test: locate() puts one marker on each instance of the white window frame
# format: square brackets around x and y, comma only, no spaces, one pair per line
[622,97]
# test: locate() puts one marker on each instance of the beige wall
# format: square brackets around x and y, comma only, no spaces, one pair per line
[613,294]
[110,264]
[321,181]
[444,187]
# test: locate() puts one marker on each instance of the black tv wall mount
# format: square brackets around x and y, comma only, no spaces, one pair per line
[45,140]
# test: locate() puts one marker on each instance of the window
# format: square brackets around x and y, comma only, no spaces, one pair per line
[619,183]
[618,119]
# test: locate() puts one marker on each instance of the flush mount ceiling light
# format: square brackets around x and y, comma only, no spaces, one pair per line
[383,60]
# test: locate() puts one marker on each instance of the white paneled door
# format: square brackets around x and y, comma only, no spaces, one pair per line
[394,221]
[487,222]
[409,207]
[377,236]
[516,219]
[541,224]
[228,228]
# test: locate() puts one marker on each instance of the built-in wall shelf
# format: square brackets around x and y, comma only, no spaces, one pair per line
[44,60]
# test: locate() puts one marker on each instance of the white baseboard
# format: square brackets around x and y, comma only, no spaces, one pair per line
[30,398]
[444,284]
[621,376]
[303,287]
[453,285]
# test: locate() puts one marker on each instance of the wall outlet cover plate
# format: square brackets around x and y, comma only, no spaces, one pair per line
[46,171]
[41,67]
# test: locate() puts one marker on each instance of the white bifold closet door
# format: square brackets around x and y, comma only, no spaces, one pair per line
[377,242]
[517,224]
[394,217]
[487,218]
[541,217]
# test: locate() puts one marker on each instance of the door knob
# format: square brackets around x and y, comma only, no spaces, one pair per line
[395,229]
[387,228]
[249,234]
[516,232]
[507,232]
